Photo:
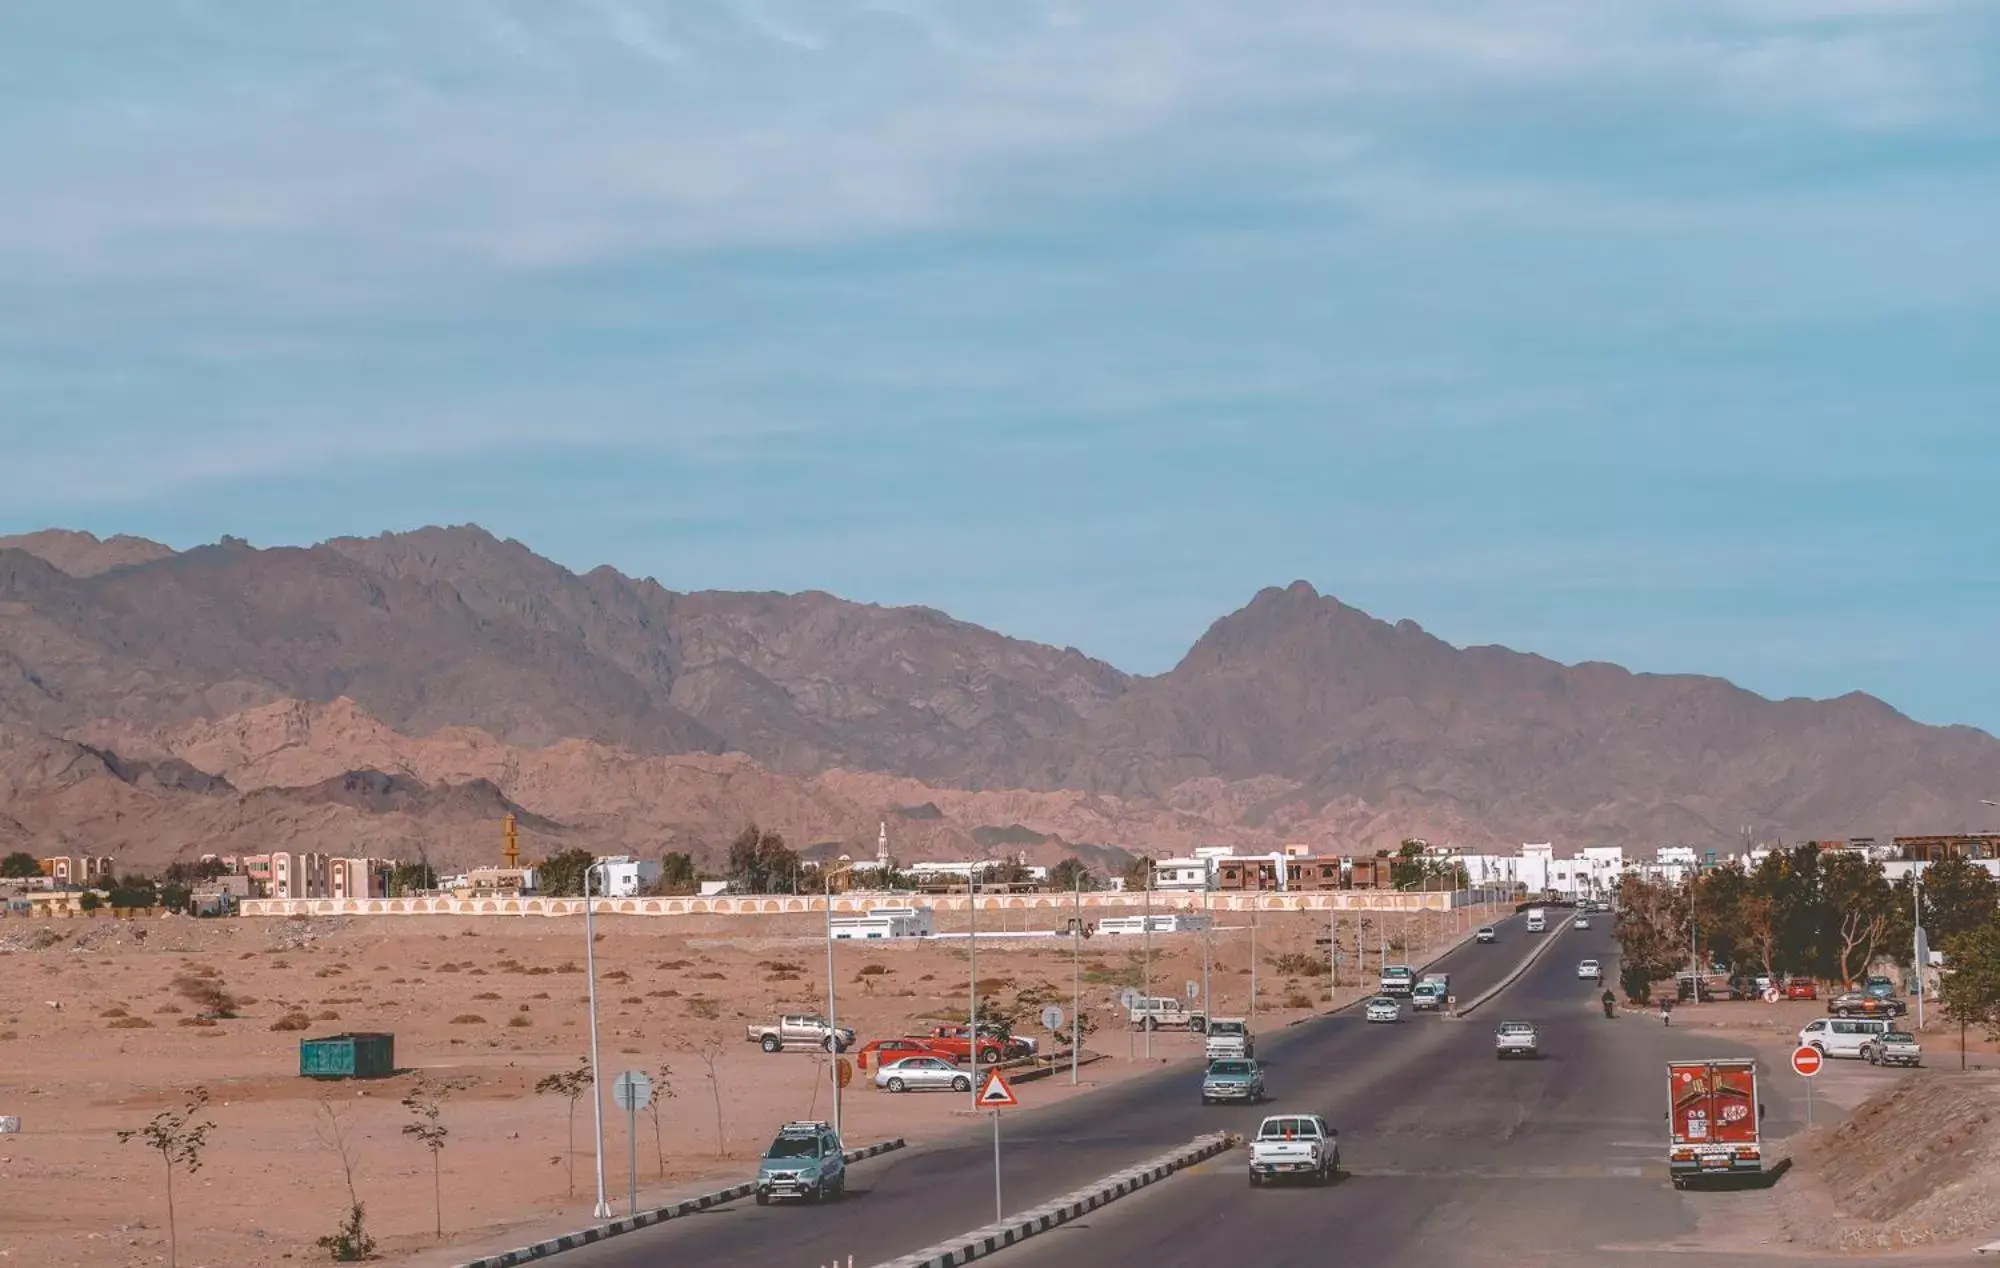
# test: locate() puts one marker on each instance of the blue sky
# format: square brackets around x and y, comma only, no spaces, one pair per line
[1665,333]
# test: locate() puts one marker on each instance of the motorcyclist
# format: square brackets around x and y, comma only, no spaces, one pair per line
[1666,1011]
[1610,1003]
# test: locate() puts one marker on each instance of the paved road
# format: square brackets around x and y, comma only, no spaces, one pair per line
[914,1198]
[1458,1160]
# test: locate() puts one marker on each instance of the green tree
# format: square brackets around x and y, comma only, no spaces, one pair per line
[1139,873]
[1006,872]
[19,866]
[90,901]
[561,875]
[1409,871]
[411,878]
[677,874]
[428,1128]
[1071,874]
[175,896]
[760,862]
[134,890]
[1718,896]
[1651,919]
[1958,897]
[1860,914]
[1970,984]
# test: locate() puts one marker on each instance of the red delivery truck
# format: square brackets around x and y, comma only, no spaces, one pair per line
[1712,1119]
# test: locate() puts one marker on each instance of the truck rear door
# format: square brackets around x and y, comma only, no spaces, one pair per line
[1712,1118]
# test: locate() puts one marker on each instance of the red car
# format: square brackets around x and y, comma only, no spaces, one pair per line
[880,1052]
[952,1042]
[1801,988]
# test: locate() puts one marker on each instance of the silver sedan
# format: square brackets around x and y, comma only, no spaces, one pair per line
[1385,1008]
[923,1074]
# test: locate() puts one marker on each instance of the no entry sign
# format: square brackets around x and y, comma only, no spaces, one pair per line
[1807,1061]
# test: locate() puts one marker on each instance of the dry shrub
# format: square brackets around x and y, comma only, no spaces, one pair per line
[631,999]
[326,1014]
[569,966]
[618,975]
[706,1009]
[671,965]
[520,1021]
[324,972]
[539,995]
[209,1034]
[468,1019]
[669,993]
[1298,999]
[117,1010]
[131,1023]
[779,966]
[204,1022]
[487,995]
[165,1010]
[206,993]
[292,1021]
[281,964]
[873,970]
[8,1034]
[712,977]
[540,970]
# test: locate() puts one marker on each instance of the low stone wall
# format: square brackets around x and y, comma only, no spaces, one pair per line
[1099,904]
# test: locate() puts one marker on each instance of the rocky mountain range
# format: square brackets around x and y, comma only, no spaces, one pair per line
[403,691]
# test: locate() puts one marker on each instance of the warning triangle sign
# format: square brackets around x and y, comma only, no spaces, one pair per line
[995,1094]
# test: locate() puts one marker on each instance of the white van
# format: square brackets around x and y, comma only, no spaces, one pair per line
[1536,920]
[1842,1036]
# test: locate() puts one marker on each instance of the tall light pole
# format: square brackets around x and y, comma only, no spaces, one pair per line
[972,963]
[1146,970]
[1256,905]
[1207,1000]
[1076,976]
[832,1020]
[603,1211]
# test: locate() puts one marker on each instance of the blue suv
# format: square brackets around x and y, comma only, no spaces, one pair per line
[806,1161]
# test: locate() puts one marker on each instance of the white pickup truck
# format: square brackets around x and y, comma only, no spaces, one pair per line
[800,1030]
[1229,1039]
[1299,1146]
[1516,1039]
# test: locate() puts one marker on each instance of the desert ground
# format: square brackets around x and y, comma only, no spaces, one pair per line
[101,1029]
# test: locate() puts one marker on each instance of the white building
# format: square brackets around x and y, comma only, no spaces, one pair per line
[885,922]
[966,870]
[1183,873]
[622,876]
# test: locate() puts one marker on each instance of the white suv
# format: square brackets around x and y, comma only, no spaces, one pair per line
[1842,1036]
[1589,969]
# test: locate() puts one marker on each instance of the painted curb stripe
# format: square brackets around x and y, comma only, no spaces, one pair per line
[996,1237]
[646,1219]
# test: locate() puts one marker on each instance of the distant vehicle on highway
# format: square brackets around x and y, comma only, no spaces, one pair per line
[1232,1080]
[1164,1012]
[1296,1146]
[1893,1047]
[1385,1008]
[1229,1037]
[1429,997]
[1589,969]
[1581,922]
[806,1161]
[1537,920]
[1516,1039]
[800,1030]
[1486,933]
[929,1073]
[1712,1119]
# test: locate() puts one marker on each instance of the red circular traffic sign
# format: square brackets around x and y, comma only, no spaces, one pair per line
[1807,1060]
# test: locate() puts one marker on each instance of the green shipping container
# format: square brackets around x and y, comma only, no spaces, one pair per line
[364,1056]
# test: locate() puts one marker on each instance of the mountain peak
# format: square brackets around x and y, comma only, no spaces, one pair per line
[82,554]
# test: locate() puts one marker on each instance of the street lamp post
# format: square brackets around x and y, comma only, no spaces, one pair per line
[972,966]
[1207,941]
[1076,977]
[832,1019]
[1256,905]
[603,1211]
[1146,971]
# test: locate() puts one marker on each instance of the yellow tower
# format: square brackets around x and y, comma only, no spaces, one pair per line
[513,851]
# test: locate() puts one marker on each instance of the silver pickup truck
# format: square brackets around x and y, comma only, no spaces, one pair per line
[1296,1146]
[800,1030]
[1892,1047]
[1515,1039]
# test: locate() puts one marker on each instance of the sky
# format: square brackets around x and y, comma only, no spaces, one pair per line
[1664,332]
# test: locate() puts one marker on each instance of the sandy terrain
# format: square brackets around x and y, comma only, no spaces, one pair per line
[497,1005]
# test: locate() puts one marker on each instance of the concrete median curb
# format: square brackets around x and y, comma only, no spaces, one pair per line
[646,1219]
[1528,962]
[998,1236]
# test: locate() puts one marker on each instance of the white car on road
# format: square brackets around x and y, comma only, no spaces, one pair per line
[1581,922]
[1487,933]
[1590,969]
[1516,1039]
[1301,1145]
[1385,1008]
[923,1074]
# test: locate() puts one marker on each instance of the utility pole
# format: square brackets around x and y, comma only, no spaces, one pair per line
[1146,972]
[603,1211]
[972,985]
[1076,980]
[1256,905]
[1207,941]
[832,1019]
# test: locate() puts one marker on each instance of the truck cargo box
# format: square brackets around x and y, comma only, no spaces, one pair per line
[1712,1119]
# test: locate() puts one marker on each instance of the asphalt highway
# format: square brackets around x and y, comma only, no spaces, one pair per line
[913,1198]
[1457,1159]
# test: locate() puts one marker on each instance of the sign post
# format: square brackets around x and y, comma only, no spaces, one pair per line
[632,1091]
[1128,999]
[1806,1062]
[995,1095]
